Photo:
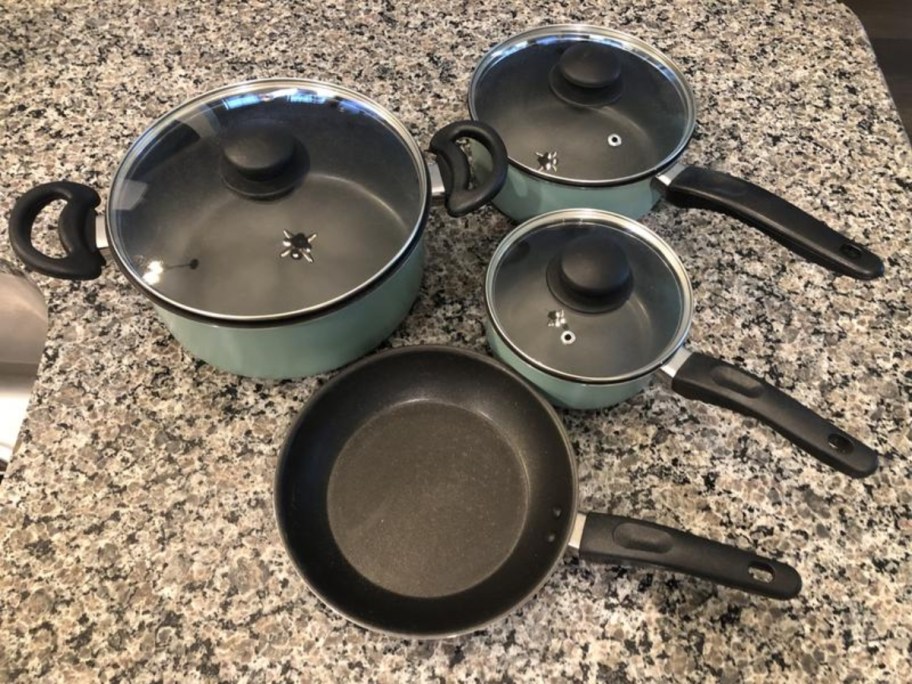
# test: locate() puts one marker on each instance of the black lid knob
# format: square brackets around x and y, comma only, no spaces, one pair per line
[591,274]
[588,74]
[590,65]
[258,152]
[261,159]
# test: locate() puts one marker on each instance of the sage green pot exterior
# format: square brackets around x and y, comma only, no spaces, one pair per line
[560,392]
[524,196]
[310,346]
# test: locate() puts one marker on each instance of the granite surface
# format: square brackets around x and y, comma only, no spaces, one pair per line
[138,540]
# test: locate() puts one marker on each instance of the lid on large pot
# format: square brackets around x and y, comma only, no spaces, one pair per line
[588,296]
[584,105]
[267,200]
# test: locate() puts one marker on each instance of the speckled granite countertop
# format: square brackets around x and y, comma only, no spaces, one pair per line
[138,542]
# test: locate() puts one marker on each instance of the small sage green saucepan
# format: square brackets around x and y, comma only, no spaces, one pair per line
[276,225]
[597,118]
[590,306]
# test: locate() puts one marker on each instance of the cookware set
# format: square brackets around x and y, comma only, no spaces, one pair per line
[277,228]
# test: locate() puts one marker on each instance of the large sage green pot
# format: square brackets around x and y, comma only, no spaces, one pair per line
[313,345]
[276,225]
[593,117]
[591,306]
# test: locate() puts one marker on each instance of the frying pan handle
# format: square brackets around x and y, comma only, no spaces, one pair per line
[456,170]
[719,383]
[75,227]
[798,231]
[615,539]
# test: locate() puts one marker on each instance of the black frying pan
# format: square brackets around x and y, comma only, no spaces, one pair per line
[427,491]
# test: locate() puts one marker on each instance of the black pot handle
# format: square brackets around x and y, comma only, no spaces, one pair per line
[716,382]
[615,539]
[455,168]
[788,225]
[76,228]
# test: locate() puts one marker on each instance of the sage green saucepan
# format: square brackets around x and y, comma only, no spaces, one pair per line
[590,306]
[597,118]
[276,225]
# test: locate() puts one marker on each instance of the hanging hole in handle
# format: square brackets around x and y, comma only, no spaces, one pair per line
[615,140]
[840,443]
[568,337]
[851,251]
[761,572]
[465,144]
[44,230]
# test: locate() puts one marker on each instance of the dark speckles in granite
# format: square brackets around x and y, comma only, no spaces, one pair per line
[138,542]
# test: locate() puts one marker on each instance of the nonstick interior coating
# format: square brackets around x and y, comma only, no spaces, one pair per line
[460,471]
[426,491]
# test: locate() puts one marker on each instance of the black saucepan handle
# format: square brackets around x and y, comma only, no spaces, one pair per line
[614,539]
[716,382]
[455,168]
[784,222]
[76,228]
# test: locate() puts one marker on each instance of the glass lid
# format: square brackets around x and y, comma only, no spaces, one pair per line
[584,105]
[267,200]
[589,296]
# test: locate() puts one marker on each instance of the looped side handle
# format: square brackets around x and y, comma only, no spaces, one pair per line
[455,169]
[76,228]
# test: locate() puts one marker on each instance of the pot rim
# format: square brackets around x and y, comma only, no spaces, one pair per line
[324,89]
[585,31]
[597,216]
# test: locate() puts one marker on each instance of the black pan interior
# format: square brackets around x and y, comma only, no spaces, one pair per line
[426,491]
